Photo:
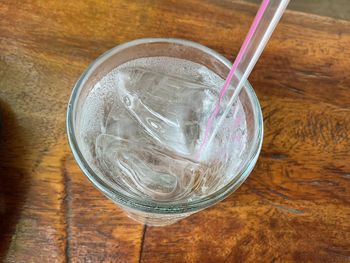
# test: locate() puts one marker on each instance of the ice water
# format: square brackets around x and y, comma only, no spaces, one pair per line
[143,123]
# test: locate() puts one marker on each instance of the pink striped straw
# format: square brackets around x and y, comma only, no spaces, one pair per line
[238,60]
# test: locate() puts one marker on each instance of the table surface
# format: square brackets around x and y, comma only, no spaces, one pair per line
[294,207]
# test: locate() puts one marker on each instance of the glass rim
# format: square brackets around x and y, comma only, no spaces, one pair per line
[149,206]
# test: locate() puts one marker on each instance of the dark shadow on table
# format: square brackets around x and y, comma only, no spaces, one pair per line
[13,178]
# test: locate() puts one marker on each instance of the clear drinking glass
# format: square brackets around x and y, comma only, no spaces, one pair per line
[154,211]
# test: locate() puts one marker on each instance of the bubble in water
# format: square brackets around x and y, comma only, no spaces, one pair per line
[127,101]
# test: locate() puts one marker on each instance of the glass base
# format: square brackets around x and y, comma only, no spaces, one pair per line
[155,219]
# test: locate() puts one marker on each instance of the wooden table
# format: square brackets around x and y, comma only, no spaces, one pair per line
[294,207]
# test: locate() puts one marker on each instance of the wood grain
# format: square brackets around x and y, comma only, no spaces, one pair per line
[294,207]
[98,230]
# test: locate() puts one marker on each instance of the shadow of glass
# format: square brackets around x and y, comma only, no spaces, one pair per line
[13,177]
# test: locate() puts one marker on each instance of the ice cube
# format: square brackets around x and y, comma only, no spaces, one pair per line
[172,110]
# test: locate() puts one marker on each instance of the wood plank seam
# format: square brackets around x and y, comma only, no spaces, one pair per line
[66,208]
[142,242]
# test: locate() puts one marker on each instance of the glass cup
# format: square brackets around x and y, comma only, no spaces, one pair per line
[149,211]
